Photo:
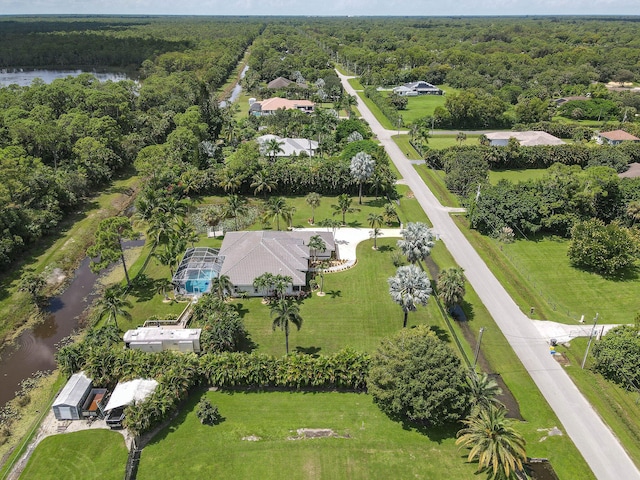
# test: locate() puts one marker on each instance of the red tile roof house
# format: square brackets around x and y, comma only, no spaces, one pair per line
[270,105]
[616,137]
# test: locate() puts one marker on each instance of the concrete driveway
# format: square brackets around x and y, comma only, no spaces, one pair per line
[598,445]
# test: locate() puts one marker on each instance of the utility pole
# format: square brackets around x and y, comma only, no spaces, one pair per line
[475,359]
[593,329]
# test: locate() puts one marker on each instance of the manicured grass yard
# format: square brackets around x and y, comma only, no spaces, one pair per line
[569,291]
[424,105]
[376,447]
[85,455]
[356,311]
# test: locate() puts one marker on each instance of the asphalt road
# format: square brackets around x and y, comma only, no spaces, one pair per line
[597,443]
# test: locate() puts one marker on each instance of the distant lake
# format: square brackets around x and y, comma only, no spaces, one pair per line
[25,77]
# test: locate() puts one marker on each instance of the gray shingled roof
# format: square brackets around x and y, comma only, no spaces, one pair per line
[248,255]
[74,390]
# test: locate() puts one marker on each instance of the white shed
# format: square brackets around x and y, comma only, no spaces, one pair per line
[68,404]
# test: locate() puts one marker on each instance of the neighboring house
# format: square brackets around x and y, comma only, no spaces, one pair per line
[615,137]
[563,100]
[270,105]
[158,339]
[291,146]
[417,88]
[525,139]
[247,255]
[279,82]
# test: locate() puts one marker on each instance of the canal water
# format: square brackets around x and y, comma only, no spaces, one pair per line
[235,93]
[34,349]
[23,77]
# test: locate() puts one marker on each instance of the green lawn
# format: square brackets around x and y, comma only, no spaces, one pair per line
[435,180]
[355,83]
[424,105]
[619,408]
[356,311]
[569,291]
[374,447]
[516,176]
[85,455]
[404,142]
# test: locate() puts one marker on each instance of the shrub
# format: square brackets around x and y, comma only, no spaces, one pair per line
[617,356]
[415,376]
[208,414]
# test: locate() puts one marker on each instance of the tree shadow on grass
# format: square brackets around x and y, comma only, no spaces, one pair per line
[386,248]
[313,351]
[143,288]
[441,333]
[334,293]
[354,224]
[467,308]
[378,202]
[240,309]
[435,434]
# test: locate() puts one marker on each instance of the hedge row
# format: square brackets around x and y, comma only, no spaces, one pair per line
[383,103]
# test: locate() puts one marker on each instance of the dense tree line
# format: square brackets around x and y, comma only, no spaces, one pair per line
[62,141]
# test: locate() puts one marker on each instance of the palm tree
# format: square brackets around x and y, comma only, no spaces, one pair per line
[186,232]
[163,285]
[221,286]
[409,288]
[229,181]
[417,241]
[349,101]
[113,305]
[361,168]
[275,209]
[283,313]
[313,200]
[451,286]
[262,183]
[633,211]
[461,137]
[264,282]
[375,221]
[235,207]
[213,215]
[390,214]
[344,206]
[483,391]
[272,148]
[494,443]
[280,284]
[316,243]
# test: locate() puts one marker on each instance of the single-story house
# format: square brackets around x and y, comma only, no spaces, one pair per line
[270,105]
[247,255]
[279,82]
[126,393]
[157,339]
[563,100]
[68,404]
[417,88]
[615,137]
[291,146]
[525,139]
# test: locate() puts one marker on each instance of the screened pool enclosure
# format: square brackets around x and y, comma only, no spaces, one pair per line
[199,266]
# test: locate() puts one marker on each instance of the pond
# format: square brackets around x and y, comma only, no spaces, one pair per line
[24,77]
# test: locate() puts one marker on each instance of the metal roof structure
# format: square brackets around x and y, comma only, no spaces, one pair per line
[198,267]
[74,391]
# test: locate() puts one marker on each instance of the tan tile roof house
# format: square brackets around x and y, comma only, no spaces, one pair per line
[615,137]
[270,105]
[247,255]
[526,139]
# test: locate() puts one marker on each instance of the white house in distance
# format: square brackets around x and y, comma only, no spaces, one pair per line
[271,105]
[291,146]
[525,139]
[157,339]
[414,89]
[615,137]
[247,255]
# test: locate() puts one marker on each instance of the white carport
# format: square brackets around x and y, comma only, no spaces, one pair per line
[133,391]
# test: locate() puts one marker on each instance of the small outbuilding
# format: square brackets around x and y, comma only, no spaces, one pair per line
[157,339]
[127,393]
[68,404]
